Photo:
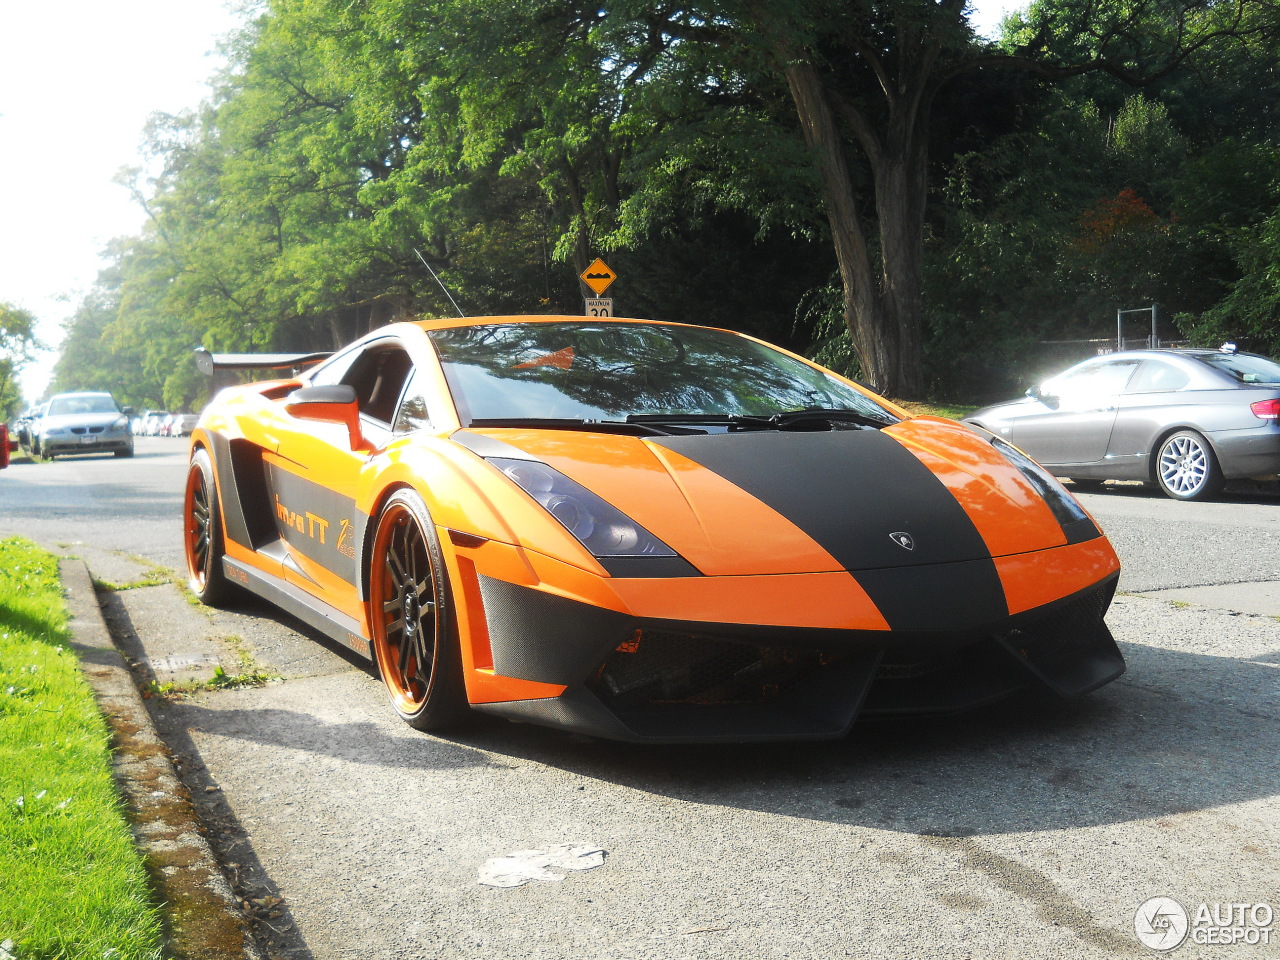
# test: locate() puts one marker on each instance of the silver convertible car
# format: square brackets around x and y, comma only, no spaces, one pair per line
[1184,420]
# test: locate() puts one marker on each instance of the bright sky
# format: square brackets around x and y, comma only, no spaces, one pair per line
[78,80]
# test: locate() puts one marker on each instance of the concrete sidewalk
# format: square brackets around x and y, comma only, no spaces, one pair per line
[1261,599]
[161,637]
[204,921]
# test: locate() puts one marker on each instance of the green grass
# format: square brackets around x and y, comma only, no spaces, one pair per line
[951,411]
[72,883]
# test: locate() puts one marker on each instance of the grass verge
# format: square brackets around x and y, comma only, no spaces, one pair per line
[72,883]
[952,411]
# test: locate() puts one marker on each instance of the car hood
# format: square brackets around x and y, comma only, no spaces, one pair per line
[925,491]
[66,420]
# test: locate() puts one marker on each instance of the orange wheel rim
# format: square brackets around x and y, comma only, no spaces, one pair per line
[406,609]
[198,520]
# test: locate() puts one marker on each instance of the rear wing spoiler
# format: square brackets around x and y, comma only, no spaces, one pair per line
[207,362]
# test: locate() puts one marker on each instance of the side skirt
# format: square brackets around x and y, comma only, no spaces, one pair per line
[333,623]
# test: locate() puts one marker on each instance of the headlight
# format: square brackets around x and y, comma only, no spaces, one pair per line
[53,430]
[599,526]
[121,424]
[1063,505]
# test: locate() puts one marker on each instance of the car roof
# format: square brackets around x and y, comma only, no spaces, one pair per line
[1166,353]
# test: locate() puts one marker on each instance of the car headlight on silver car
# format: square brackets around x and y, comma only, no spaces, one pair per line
[599,526]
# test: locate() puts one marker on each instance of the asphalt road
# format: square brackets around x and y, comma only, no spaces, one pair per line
[1028,830]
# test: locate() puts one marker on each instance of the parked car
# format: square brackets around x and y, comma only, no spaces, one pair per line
[645,531]
[22,428]
[181,424]
[1185,421]
[151,421]
[83,423]
[33,429]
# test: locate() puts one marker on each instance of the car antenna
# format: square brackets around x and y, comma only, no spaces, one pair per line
[439,281]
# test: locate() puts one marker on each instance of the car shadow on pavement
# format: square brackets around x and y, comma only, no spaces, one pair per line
[258,896]
[1154,744]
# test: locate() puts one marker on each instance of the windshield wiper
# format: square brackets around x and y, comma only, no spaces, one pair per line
[841,414]
[575,423]
[778,421]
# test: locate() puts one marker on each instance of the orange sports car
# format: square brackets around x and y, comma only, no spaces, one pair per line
[641,530]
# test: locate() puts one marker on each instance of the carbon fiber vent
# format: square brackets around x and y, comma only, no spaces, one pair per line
[1069,630]
[655,667]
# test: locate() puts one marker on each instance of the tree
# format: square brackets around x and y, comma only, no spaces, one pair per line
[864,79]
[18,344]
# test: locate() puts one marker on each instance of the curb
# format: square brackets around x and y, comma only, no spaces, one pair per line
[203,918]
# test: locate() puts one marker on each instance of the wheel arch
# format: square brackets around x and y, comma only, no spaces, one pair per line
[371,529]
[1153,460]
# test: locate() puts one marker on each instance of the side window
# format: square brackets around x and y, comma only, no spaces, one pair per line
[413,413]
[333,370]
[1099,379]
[1156,376]
[378,374]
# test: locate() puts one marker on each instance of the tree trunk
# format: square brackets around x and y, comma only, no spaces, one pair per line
[901,184]
[881,312]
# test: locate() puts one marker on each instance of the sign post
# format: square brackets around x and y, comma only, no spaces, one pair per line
[598,277]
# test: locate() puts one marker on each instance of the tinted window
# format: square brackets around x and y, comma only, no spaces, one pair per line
[413,413]
[599,371]
[1244,367]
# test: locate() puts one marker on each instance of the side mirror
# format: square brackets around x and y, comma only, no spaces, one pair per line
[128,412]
[331,404]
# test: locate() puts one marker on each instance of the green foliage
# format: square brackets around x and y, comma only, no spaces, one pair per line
[17,344]
[72,884]
[508,143]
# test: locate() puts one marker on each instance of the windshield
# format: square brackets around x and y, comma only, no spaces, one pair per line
[60,406]
[1244,367]
[595,371]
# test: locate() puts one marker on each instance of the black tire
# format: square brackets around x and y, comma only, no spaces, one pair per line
[1184,467]
[128,452]
[202,533]
[415,639]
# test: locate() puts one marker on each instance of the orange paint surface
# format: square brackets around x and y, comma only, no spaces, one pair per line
[1033,579]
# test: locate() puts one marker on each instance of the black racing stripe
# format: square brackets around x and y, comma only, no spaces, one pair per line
[851,491]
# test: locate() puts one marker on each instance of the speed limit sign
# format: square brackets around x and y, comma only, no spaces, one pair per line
[600,308]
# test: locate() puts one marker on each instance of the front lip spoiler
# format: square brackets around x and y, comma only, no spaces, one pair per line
[1063,647]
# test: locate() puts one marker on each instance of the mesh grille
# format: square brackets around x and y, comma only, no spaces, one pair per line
[1067,631]
[655,667]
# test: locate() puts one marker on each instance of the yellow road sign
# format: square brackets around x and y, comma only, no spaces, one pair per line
[598,276]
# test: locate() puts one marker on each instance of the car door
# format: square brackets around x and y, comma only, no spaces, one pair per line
[1155,397]
[1072,415]
[314,478]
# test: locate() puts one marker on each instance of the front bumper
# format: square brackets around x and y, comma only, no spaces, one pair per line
[658,680]
[84,443]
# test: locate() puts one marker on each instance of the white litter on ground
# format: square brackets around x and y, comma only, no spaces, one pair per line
[516,869]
